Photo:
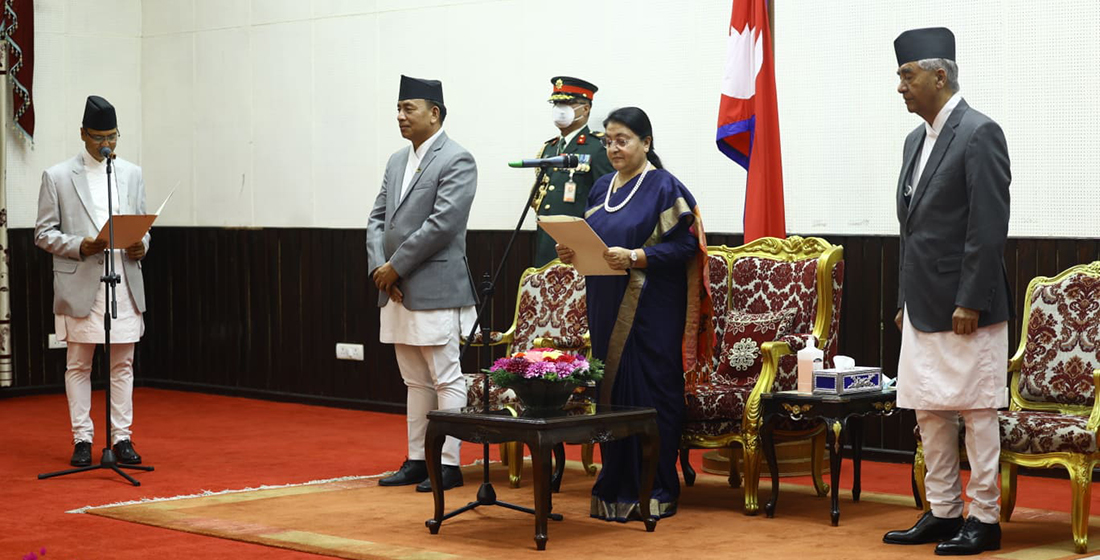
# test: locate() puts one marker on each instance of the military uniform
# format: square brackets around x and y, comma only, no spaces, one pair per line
[565,191]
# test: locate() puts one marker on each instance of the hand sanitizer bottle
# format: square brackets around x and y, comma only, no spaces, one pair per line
[810,358]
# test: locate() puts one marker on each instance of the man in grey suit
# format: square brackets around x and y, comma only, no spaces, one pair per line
[72,208]
[953,293]
[416,252]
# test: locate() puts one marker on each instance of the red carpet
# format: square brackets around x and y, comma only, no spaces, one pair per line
[201,442]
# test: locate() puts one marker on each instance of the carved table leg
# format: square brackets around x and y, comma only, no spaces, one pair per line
[541,451]
[855,439]
[559,468]
[433,455]
[833,431]
[767,439]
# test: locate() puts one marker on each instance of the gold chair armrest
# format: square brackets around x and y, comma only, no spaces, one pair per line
[1016,363]
[1094,416]
[770,354]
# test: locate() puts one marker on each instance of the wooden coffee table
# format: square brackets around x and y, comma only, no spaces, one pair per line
[590,424]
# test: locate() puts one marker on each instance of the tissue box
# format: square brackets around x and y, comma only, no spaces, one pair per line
[847,381]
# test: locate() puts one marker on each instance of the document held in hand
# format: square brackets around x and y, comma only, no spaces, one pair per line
[130,228]
[575,233]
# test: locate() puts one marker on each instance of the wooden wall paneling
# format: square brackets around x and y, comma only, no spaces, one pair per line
[256,254]
[1067,253]
[293,325]
[891,336]
[360,313]
[1046,251]
[24,271]
[871,351]
[316,305]
[333,295]
[1087,251]
[274,309]
[1026,269]
[1011,258]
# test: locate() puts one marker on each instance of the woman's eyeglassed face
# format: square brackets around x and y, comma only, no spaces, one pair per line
[625,150]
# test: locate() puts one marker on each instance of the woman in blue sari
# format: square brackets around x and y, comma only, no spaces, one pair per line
[648,219]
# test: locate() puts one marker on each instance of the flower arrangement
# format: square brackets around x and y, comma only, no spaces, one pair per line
[546,364]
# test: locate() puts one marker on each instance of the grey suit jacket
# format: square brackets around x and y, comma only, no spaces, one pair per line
[954,229]
[65,219]
[423,235]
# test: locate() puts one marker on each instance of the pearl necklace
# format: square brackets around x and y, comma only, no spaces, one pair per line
[607,199]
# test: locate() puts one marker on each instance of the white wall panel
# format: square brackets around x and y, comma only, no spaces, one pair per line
[111,18]
[346,172]
[1019,62]
[50,16]
[222,14]
[168,114]
[330,8]
[223,129]
[279,11]
[282,114]
[162,17]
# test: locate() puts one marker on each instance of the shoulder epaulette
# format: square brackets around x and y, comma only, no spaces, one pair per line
[553,140]
[597,133]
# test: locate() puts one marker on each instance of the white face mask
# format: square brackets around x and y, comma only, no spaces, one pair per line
[563,115]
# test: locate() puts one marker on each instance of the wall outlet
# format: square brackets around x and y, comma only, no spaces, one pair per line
[53,342]
[348,351]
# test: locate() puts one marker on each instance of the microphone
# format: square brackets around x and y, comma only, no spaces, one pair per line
[106,152]
[564,161]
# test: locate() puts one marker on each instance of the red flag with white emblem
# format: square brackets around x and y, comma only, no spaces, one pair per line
[748,118]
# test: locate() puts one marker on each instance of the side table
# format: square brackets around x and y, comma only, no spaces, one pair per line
[841,414]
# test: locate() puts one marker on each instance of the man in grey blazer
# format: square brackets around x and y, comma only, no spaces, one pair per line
[72,208]
[416,252]
[953,293]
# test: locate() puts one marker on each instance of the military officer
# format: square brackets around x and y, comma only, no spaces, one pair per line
[565,191]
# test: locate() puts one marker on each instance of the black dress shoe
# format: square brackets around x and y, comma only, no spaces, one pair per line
[82,454]
[125,454]
[928,528]
[452,477]
[975,537]
[411,472]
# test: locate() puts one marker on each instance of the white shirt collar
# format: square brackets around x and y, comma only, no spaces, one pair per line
[419,153]
[91,162]
[933,130]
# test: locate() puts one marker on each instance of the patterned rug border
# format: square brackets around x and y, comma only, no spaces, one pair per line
[208,493]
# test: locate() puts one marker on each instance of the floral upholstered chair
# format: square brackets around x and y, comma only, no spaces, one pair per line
[551,312]
[1053,419]
[768,297]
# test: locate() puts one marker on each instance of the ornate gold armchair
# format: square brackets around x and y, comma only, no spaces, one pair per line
[768,275]
[551,312]
[1053,419]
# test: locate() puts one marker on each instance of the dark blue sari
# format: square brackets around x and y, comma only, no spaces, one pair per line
[637,327]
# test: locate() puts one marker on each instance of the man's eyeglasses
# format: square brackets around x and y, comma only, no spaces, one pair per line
[101,139]
[621,142]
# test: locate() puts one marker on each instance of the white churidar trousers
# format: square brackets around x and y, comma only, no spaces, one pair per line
[940,438]
[434,380]
[78,388]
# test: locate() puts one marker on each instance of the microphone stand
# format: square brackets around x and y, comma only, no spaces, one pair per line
[110,279]
[486,495]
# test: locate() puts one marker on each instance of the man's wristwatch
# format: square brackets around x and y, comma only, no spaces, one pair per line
[633,257]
